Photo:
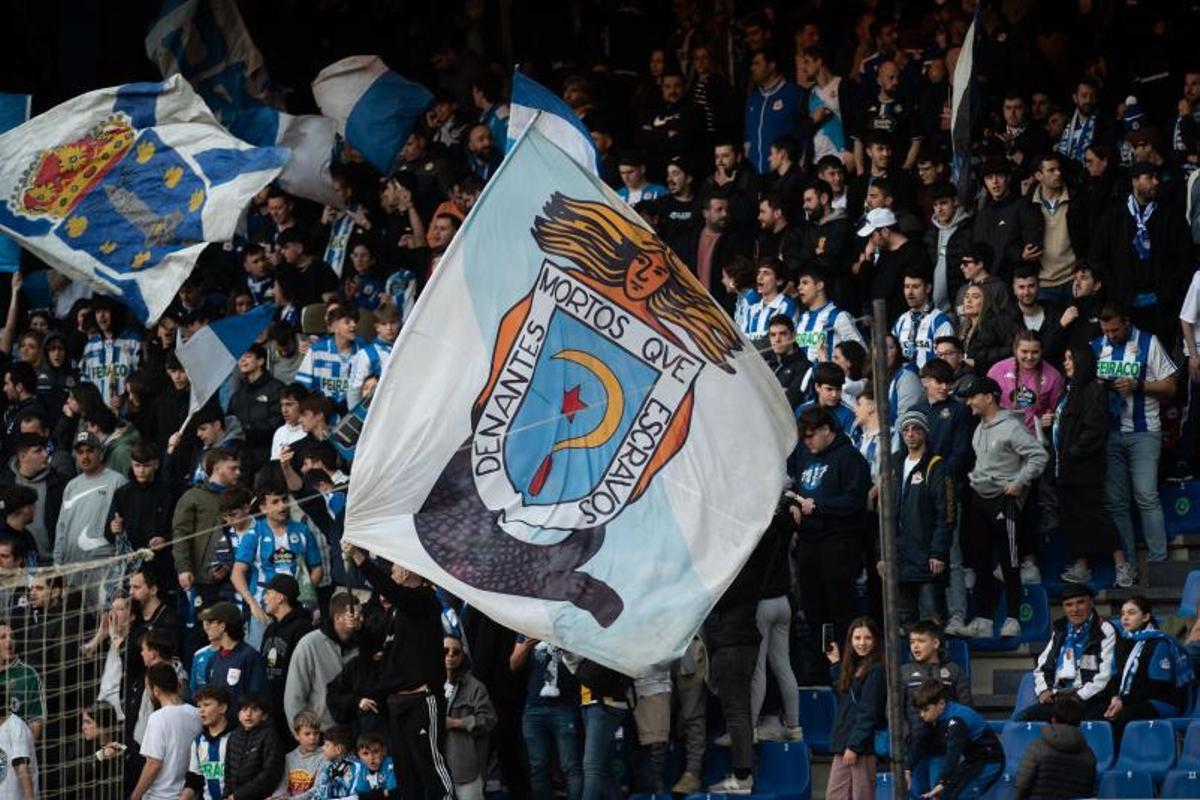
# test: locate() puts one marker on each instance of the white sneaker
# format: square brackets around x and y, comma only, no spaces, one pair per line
[980,628]
[1076,574]
[772,732]
[956,627]
[1126,575]
[795,734]
[1030,573]
[968,578]
[998,573]
[1010,628]
[733,785]
[724,740]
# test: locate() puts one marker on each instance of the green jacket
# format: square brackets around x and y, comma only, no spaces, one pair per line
[119,448]
[197,510]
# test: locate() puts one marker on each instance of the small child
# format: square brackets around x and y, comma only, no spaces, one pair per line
[206,770]
[254,755]
[340,774]
[377,777]
[925,643]
[303,764]
[974,757]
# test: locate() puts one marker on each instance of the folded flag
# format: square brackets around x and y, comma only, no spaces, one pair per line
[374,108]
[122,188]
[14,110]
[211,353]
[573,459]
[534,104]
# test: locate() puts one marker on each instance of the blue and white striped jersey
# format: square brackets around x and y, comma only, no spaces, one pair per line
[208,761]
[326,370]
[759,314]
[261,289]
[916,331]
[822,329]
[107,363]
[367,362]
[1142,358]
[269,555]
[383,778]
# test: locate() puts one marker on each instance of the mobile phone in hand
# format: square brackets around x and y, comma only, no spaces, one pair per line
[826,637]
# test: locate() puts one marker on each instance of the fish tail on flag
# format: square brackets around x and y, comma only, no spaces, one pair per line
[568,406]
[373,108]
[211,353]
[534,104]
[964,96]
[122,188]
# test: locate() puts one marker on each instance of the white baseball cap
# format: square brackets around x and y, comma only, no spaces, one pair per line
[877,218]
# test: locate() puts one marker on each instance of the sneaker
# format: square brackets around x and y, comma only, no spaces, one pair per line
[1076,574]
[724,740]
[1010,628]
[998,573]
[1126,575]
[688,783]
[769,733]
[733,785]
[956,627]
[980,628]
[968,578]
[1030,573]
[795,734]
[1180,473]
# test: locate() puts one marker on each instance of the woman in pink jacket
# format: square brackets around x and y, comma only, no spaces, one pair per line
[1027,383]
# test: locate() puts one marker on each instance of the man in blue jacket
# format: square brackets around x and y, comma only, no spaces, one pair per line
[773,109]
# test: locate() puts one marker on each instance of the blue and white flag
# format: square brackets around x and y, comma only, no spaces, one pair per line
[963,97]
[573,460]
[556,121]
[206,41]
[122,188]
[14,110]
[211,353]
[374,108]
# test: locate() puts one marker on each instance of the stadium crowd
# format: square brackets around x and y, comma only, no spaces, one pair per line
[1044,350]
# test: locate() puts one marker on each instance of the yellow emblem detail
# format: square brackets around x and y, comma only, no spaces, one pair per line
[172,176]
[60,176]
[108,247]
[76,226]
[196,200]
[140,259]
[145,152]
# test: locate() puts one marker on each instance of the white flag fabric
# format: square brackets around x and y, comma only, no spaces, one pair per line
[534,104]
[570,434]
[122,188]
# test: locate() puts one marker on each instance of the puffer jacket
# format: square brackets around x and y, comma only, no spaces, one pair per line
[925,515]
[466,749]
[253,762]
[1059,764]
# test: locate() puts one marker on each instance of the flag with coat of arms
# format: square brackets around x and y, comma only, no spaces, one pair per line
[122,188]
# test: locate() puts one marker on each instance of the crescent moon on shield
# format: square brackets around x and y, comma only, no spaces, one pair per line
[614,404]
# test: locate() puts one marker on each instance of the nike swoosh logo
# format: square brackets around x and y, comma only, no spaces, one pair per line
[67,504]
[88,542]
[660,121]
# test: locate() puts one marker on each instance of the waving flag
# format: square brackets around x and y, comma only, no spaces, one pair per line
[593,449]
[963,97]
[122,188]
[207,43]
[374,108]
[14,110]
[212,352]
[534,104]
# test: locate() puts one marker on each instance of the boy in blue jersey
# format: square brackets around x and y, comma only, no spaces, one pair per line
[340,774]
[205,779]
[369,361]
[377,778]
[974,757]
[828,379]
[823,325]
[326,366]
[276,545]
[770,280]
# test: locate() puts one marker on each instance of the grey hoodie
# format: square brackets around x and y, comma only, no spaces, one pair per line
[317,660]
[1005,453]
[80,534]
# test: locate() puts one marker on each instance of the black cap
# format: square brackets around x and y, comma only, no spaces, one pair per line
[1072,590]
[287,586]
[222,611]
[977,384]
[996,166]
[1142,168]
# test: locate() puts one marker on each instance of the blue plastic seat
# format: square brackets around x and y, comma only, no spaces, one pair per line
[1189,756]
[997,725]
[818,707]
[1115,783]
[1005,787]
[885,786]
[1181,724]
[717,763]
[1033,614]
[958,652]
[1016,738]
[1191,594]
[784,770]
[1181,783]
[1099,736]
[1026,696]
[1147,746]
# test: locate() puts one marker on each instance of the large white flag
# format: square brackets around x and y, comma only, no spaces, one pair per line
[570,434]
[122,188]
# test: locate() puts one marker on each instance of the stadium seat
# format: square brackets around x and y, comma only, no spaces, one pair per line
[1181,724]
[1181,507]
[717,763]
[1191,594]
[958,652]
[1189,756]
[1116,783]
[784,771]
[997,725]
[1147,746]
[818,706]
[885,787]
[1016,738]
[1026,696]
[1099,736]
[1004,788]
[1181,783]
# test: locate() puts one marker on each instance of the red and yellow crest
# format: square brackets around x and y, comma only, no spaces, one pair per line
[61,176]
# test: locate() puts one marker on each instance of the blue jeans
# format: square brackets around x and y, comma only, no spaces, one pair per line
[1133,477]
[600,723]
[547,728]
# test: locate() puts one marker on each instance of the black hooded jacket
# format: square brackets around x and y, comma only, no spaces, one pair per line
[837,479]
